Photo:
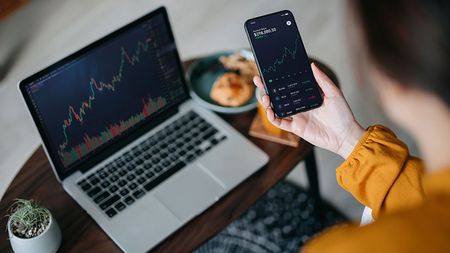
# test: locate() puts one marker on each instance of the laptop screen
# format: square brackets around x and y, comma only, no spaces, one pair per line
[109,89]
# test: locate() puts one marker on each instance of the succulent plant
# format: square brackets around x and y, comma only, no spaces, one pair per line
[28,218]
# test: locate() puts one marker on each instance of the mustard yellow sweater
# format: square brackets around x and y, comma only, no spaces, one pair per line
[411,210]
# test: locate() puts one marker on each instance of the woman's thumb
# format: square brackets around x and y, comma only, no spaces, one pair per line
[324,82]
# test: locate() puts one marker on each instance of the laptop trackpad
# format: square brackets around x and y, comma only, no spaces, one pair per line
[189,192]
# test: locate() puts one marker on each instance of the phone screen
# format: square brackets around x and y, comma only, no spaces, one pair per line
[283,63]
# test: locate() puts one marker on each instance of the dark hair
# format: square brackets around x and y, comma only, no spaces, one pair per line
[409,41]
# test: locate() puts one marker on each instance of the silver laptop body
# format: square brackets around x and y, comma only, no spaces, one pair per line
[181,197]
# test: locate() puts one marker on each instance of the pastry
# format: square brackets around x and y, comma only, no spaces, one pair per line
[231,89]
[236,62]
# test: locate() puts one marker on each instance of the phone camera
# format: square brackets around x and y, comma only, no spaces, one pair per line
[288,22]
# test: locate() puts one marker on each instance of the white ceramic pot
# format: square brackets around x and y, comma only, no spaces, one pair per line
[47,242]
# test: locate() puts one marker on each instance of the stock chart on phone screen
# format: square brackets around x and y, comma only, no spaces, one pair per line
[113,88]
[283,63]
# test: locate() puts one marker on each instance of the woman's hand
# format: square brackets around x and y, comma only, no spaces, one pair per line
[332,126]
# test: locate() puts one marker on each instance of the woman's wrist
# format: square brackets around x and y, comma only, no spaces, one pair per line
[350,140]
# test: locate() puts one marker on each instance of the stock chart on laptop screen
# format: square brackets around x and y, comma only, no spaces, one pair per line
[100,96]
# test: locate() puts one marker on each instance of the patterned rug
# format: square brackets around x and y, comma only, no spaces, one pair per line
[281,221]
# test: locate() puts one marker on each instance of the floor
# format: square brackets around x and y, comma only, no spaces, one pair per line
[47,30]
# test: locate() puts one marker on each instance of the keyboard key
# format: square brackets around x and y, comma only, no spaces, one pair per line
[141,180]
[82,182]
[130,166]
[129,200]
[192,115]
[190,157]
[209,134]
[102,175]
[152,142]
[111,212]
[102,196]
[150,185]
[94,191]
[94,180]
[107,203]
[86,187]
[105,184]
[132,186]
[138,193]
[131,177]
[149,174]
[114,178]
[120,206]
[124,192]
[113,188]
[122,182]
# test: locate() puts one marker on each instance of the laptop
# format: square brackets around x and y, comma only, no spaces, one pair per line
[126,141]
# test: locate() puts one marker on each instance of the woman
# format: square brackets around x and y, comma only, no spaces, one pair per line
[408,46]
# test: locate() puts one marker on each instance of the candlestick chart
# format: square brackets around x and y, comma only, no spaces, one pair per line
[100,96]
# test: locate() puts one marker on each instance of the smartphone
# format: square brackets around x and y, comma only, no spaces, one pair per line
[283,64]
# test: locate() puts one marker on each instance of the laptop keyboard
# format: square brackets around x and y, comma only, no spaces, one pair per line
[121,182]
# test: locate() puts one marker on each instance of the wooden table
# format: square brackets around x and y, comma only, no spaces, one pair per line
[81,234]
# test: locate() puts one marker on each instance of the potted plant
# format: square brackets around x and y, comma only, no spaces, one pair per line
[32,228]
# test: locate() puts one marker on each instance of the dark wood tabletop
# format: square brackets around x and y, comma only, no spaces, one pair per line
[81,234]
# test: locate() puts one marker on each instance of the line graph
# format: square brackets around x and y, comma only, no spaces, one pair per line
[102,92]
[292,53]
[80,113]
